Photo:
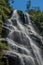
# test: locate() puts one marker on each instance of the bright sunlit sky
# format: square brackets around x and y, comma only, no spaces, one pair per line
[21,4]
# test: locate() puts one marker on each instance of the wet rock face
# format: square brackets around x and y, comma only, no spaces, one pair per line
[22,17]
[24,40]
[14,22]
[20,38]
[13,60]
[10,60]
[5,32]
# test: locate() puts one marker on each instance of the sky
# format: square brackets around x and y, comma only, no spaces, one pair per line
[21,4]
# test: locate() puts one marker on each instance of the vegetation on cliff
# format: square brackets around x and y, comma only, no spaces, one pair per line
[5,11]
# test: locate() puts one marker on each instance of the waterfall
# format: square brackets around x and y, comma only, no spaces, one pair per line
[24,40]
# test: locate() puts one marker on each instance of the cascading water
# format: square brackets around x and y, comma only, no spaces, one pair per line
[24,40]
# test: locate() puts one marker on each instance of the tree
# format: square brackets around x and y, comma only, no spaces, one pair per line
[5,9]
[7,1]
[28,5]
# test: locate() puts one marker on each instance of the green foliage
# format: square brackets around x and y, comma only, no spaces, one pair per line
[1,63]
[5,11]
[3,46]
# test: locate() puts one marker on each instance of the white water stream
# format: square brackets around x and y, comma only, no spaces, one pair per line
[24,40]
